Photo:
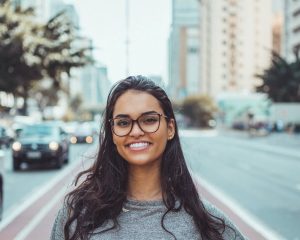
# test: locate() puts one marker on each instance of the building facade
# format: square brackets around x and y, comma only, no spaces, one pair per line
[291,38]
[236,39]
[91,81]
[44,9]
[184,57]
[218,46]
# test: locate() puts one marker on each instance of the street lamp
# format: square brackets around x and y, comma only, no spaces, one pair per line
[127,36]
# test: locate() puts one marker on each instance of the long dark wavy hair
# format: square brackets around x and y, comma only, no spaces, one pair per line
[101,193]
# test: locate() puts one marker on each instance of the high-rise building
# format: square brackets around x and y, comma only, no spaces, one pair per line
[157,79]
[90,81]
[291,36]
[44,9]
[218,46]
[184,58]
[236,41]
[93,85]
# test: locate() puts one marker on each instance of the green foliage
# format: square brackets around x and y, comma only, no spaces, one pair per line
[199,109]
[62,55]
[19,67]
[281,82]
[31,51]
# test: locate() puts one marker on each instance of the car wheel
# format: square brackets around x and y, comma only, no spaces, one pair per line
[66,160]
[59,163]
[16,165]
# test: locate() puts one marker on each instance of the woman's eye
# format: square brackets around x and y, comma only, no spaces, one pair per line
[123,122]
[150,120]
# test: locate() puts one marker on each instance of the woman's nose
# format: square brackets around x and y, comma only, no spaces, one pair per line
[136,130]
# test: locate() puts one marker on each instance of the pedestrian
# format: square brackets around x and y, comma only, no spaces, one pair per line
[139,187]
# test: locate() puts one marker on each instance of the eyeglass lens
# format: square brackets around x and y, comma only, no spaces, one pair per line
[148,123]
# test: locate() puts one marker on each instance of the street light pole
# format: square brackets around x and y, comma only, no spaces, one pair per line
[127,36]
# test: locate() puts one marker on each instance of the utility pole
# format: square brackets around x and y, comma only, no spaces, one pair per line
[127,36]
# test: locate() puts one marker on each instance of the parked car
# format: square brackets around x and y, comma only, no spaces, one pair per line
[2,156]
[41,144]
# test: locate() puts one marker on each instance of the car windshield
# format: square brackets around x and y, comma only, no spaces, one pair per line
[39,130]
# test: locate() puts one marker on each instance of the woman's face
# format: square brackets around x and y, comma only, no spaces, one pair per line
[140,148]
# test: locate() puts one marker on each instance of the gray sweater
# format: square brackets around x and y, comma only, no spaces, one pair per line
[141,220]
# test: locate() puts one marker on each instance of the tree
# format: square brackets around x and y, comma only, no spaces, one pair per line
[281,81]
[31,51]
[200,109]
[19,67]
[62,54]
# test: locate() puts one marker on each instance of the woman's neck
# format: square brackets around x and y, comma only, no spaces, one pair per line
[144,184]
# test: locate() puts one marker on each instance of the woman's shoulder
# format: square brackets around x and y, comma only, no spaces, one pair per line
[231,231]
[57,232]
[212,209]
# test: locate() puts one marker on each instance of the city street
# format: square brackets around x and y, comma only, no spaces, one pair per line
[257,178]
[228,70]
[259,174]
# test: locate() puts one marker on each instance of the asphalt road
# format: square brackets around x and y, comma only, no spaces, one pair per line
[262,176]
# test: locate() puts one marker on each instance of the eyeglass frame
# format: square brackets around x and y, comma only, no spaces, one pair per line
[111,121]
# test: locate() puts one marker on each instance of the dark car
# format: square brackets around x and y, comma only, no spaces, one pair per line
[82,134]
[45,144]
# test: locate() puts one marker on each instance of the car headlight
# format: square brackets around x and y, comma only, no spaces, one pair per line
[16,146]
[89,139]
[53,146]
[73,139]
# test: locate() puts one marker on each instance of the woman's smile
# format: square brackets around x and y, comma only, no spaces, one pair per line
[138,146]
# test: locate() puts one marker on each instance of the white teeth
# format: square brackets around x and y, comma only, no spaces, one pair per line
[138,145]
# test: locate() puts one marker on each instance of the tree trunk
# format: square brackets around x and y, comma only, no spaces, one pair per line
[24,109]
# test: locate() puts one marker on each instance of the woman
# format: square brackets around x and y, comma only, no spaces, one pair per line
[139,187]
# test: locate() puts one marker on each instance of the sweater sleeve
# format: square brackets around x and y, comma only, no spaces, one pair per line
[57,232]
[228,234]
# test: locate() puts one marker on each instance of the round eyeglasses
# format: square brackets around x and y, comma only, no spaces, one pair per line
[148,123]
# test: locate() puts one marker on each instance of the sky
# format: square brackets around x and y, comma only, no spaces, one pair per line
[149,26]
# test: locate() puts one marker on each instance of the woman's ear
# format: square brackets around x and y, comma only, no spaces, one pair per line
[171,129]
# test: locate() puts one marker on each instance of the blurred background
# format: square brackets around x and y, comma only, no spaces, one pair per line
[230,67]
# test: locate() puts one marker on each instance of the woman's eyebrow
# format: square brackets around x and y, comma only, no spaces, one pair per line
[121,115]
[127,115]
[149,112]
